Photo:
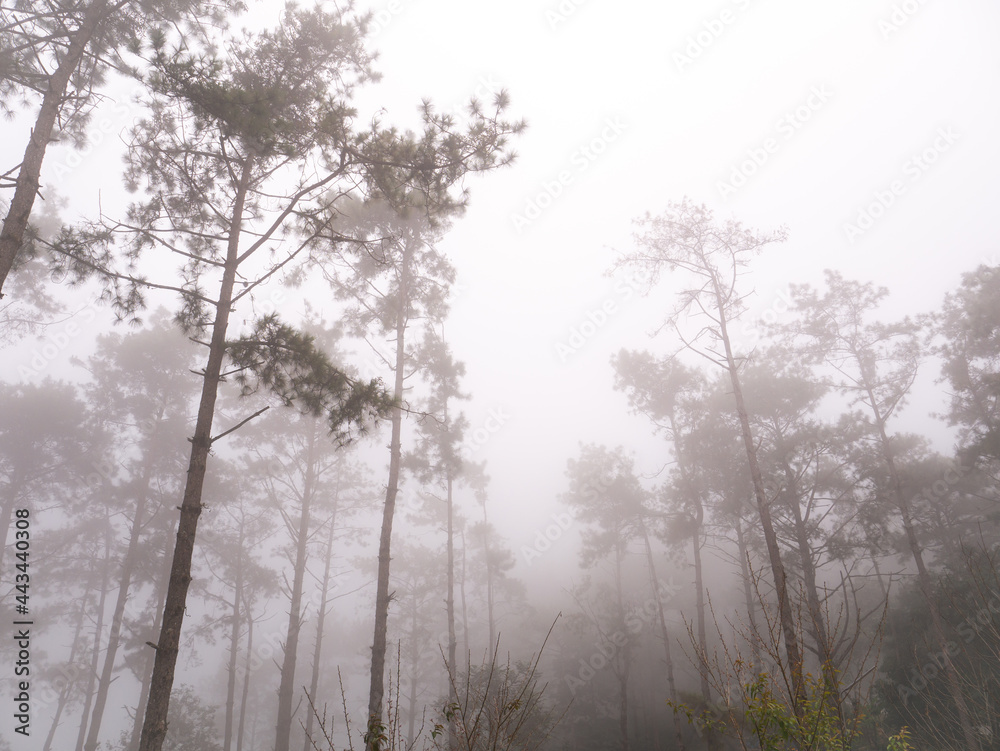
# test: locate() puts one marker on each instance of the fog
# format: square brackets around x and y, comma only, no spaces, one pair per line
[554,375]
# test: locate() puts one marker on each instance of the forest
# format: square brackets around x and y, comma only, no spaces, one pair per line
[249,496]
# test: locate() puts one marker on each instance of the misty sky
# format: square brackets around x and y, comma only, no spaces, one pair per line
[770,111]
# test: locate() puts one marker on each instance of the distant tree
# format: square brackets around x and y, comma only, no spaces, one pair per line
[398,284]
[437,463]
[417,579]
[657,389]
[713,256]
[350,493]
[605,494]
[300,470]
[48,443]
[911,690]
[135,386]
[875,365]
[235,550]
[969,327]
[816,502]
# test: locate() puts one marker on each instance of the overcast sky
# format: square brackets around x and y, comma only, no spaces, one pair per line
[810,115]
[775,113]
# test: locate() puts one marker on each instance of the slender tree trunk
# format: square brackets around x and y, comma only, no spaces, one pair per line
[382,595]
[785,615]
[699,584]
[751,602]
[69,684]
[878,577]
[160,591]
[490,581]
[26,188]
[626,652]
[467,654]
[234,642]
[450,608]
[820,633]
[154,727]
[321,620]
[286,689]
[98,633]
[246,685]
[129,564]
[699,594]
[711,739]
[411,719]
[664,634]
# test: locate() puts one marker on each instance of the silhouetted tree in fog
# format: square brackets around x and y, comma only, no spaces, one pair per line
[875,366]
[713,256]
[605,494]
[969,327]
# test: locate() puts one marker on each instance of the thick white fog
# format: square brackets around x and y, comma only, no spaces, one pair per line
[701,345]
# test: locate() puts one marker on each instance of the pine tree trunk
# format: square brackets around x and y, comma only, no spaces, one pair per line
[490,583]
[699,595]
[626,652]
[382,595]
[450,608]
[699,584]
[234,643]
[664,634]
[69,685]
[411,719]
[748,596]
[246,685]
[98,633]
[286,689]
[878,577]
[820,634]
[154,727]
[26,188]
[785,615]
[160,590]
[466,653]
[321,620]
